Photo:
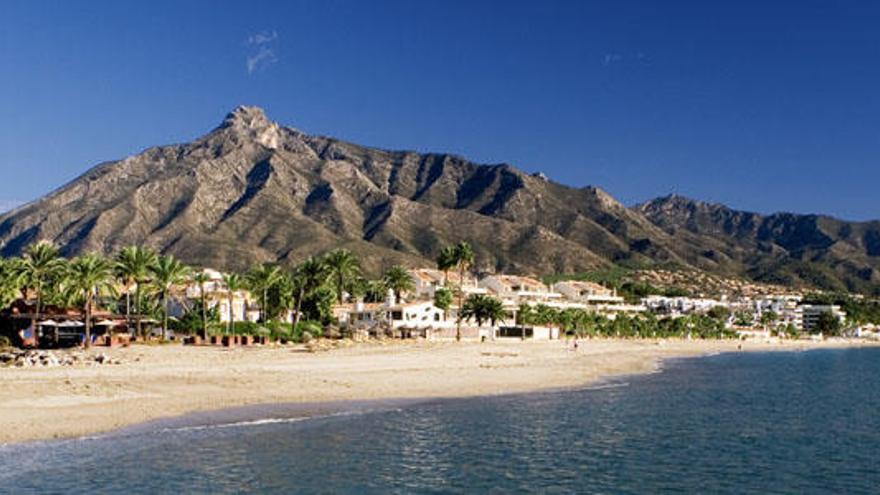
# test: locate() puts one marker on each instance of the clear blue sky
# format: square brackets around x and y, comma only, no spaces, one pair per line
[763,105]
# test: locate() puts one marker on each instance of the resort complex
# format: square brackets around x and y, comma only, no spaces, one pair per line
[139,295]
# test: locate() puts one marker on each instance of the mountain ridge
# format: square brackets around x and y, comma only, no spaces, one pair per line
[251,190]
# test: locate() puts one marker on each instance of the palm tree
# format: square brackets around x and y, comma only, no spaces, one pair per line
[446,260]
[442,300]
[91,276]
[398,279]
[344,268]
[10,282]
[233,283]
[481,308]
[308,276]
[167,273]
[464,258]
[375,290]
[40,264]
[201,278]
[261,279]
[133,267]
[525,315]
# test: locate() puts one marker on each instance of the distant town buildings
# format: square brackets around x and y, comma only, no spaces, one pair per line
[750,316]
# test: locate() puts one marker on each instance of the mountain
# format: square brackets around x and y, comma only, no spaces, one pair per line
[252,191]
[784,248]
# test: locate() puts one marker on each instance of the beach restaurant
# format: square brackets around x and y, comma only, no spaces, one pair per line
[56,327]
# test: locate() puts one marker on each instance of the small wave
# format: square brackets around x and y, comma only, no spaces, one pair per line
[267,421]
[606,386]
[236,424]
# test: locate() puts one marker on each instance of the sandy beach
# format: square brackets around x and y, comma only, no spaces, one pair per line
[165,381]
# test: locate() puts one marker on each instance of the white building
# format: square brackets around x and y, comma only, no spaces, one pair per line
[677,306]
[244,307]
[518,290]
[786,307]
[428,280]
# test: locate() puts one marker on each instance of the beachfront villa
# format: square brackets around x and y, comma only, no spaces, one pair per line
[516,289]
[427,280]
[244,307]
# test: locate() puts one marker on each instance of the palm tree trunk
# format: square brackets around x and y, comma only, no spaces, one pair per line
[204,315]
[88,314]
[137,302]
[164,317]
[231,323]
[296,317]
[460,303]
[36,316]
[128,308]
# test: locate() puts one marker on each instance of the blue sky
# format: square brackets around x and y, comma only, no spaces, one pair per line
[765,106]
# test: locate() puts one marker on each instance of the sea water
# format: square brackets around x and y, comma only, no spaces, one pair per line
[786,422]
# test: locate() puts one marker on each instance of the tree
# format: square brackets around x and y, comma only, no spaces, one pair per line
[443,300]
[827,324]
[375,291]
[483,308]
[260,279]
[343,268]
[133,267]
[308,276]
[40,264]
[744,319]
[201,278]
[91,276]
[233,283]
[398,279]
[768,318]
[464,258]
[545,315]
[446,260]
[167,273]
[719,313]
[525,315]
[10,282]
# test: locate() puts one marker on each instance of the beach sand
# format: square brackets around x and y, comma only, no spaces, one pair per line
[166,381]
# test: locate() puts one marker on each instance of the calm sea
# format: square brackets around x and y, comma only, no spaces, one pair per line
[805,422]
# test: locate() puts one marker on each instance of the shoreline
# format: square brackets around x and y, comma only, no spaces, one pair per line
[178,384]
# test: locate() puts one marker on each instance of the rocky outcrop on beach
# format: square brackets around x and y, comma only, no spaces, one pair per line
[252,190]
[30,358]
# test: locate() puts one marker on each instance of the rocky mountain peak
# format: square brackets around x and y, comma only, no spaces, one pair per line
[247,116]
[251,123]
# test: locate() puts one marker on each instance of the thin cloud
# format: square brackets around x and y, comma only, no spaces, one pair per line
[262,38]
[262,51]
[611,58]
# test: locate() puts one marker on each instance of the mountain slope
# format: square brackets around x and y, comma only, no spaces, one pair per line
[252,191]
[785,248]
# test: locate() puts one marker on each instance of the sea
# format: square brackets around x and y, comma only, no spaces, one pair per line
[765,423]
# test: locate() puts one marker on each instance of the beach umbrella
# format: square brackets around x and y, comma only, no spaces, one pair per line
[71,324]
[48,323]
[106,323]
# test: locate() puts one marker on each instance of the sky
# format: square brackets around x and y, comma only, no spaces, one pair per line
[762,105]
